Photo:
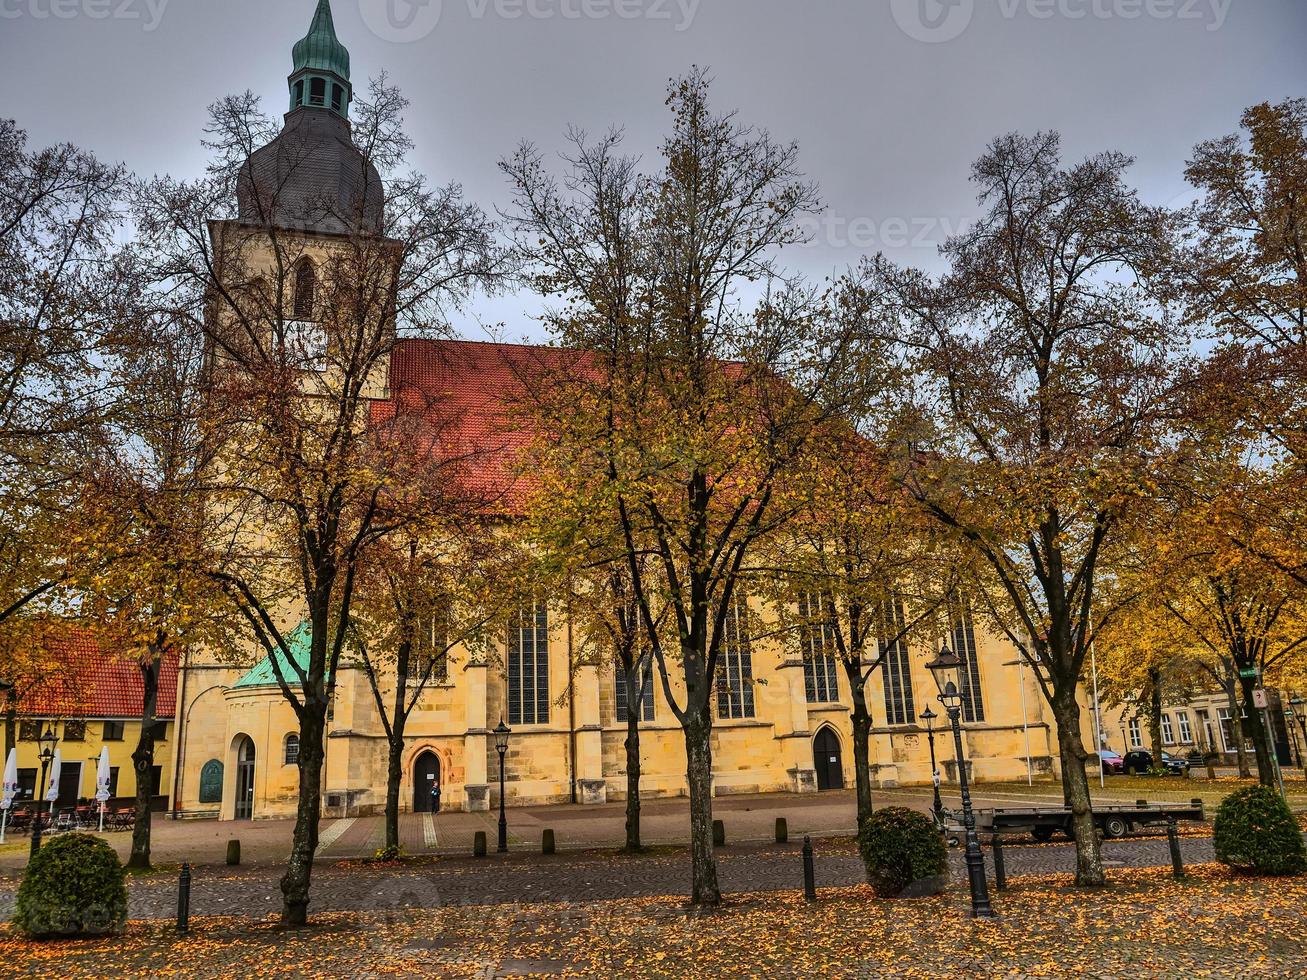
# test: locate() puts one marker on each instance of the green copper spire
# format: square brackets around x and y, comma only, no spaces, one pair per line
[320,78]
[319,49]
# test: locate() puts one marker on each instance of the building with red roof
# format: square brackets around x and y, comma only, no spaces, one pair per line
[91,695]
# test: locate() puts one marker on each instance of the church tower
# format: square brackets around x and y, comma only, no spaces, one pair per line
[312,177]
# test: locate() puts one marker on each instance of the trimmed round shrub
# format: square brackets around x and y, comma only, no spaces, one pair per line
[1256,832]
[903,852]
[74,886]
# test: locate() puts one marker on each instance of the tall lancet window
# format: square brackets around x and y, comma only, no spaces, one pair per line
[897,670]
[306,285]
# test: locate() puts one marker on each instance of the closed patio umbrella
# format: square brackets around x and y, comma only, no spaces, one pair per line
[102,777]
[52,787]
[9,790]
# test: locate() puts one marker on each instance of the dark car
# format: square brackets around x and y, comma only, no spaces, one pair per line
[1140,762]
[1111,762]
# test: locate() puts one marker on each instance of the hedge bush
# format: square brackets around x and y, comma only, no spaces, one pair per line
[1256,832]
[74,886]
[901,848]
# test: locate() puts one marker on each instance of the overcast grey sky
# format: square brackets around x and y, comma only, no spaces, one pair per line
[890,100]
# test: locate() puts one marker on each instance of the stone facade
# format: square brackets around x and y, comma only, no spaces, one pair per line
[578,754]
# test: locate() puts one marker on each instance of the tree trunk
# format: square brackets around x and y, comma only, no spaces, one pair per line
[1236,729]
[633,709]
[1075,787]
[1259,734]
[394,758]
[304,843]
[143,763]
[703,863]
[1155,718]
[862,757]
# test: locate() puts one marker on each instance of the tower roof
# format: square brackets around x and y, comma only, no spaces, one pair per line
[320,49]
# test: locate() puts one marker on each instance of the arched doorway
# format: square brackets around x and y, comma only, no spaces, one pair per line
[827,760]
[245,779]
[426,774]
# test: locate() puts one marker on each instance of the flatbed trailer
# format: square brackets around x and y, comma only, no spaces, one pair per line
[1042,822]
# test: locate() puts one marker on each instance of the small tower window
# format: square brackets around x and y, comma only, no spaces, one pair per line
[299,92]
[318,91]
[305,286]
[338,97]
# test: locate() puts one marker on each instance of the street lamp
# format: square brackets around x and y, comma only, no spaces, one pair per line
[46,741]
[947,671]
[929,716]
[1298,713]
[502,732]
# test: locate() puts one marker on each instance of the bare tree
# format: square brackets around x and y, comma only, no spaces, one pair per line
[301,299]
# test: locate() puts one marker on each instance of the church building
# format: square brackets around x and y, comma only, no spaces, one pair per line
[788,730]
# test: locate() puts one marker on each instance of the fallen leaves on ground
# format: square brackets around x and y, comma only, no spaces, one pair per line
[1217,924]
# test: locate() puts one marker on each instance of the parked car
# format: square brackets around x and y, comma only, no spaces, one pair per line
[1140,762]
[1112,763]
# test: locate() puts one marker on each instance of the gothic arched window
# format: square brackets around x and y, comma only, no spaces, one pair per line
[305,288]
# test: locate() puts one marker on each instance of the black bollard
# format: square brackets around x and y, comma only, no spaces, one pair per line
[718,834]
[547,842]
[479,844]
[1173,840]
[782,830]
[1000,869]
[233,852]
[184,900]
[809,874]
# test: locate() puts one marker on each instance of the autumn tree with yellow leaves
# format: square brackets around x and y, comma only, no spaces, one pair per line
[690,408]
[446,581]
[1044,376]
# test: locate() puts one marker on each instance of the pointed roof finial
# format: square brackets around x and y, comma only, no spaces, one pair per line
[320,49]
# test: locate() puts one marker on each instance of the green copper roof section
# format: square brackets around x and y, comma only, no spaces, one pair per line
[319,49]
[299,640]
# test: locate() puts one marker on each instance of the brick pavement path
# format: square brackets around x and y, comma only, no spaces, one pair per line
[522,877]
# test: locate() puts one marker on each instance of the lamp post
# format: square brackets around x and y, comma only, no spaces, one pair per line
[502,732]
[1296,713]
[947,671]
[46,741]
[929,716]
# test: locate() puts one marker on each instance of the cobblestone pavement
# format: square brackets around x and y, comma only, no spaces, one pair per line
[577,877]
[663,821]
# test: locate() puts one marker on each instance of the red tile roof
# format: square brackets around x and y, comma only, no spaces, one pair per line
[467,395]
[93,682]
